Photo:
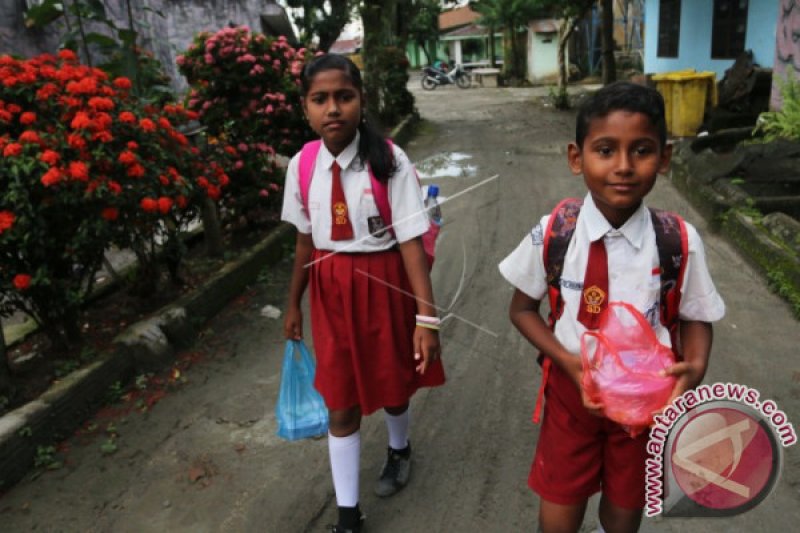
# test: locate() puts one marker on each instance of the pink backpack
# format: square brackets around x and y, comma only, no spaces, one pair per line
[380,193]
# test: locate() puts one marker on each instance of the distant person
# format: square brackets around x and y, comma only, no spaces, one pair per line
[620,147]
[375,343]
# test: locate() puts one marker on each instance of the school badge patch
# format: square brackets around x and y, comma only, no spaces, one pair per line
[594,297]
[340,213]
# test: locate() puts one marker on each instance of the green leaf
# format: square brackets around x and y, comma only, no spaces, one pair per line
[43,14]
[101,40]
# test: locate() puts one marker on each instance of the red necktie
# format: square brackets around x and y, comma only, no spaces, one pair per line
[594,298]
[341,230]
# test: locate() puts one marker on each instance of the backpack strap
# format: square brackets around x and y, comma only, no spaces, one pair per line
[380,193]
[672,243]
[380,190]
[308,158]
[559,231]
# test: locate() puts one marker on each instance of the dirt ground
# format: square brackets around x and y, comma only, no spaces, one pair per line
[205,458]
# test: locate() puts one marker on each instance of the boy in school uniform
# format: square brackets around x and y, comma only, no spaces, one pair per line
[619,149]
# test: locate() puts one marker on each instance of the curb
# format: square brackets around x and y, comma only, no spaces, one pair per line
[765,242]
[403,132]
[146,345]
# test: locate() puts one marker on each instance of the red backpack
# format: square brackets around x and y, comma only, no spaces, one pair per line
[673,251]
[380,193]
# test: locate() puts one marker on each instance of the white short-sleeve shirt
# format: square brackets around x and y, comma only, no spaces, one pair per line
[633,268]
[405,197]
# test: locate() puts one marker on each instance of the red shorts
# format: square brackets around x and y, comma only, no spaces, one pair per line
[578,454]
[362,322]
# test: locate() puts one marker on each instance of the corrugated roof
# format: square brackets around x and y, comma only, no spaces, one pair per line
[454,18]
[544,26]
[472,30]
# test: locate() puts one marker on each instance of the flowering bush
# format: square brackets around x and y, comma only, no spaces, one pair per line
[84,165]
[245,88]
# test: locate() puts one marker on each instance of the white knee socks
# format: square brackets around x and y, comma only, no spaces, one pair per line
[398,429]
[345,453]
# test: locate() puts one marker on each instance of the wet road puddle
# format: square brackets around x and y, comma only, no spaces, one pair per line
[447,165]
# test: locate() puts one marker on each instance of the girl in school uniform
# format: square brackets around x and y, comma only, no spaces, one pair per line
[375,343]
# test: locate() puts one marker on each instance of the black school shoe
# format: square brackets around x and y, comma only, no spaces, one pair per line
[351,520]
[395,472]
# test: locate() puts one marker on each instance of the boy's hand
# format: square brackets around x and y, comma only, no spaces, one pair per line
[593,407]
[426,347]
[688,377]
[575,371]
[293,323]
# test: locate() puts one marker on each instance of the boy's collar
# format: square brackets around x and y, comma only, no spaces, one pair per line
[344,158]
[597,225]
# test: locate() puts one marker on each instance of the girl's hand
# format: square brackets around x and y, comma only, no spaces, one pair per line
[426,348]
[293,323]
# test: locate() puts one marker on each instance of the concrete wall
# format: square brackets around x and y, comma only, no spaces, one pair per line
[694,49]
[542,56]
[787,48]
[166,37]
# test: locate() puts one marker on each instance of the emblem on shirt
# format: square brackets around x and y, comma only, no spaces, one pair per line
[537,235]
[340,213]
[376,226]
[593,296]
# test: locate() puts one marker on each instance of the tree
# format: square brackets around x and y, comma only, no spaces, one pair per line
[511,15]
[569,11]
[423,27]
[324,19]
[609,64]
[385,62]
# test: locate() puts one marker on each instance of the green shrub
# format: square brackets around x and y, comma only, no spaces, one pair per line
[783,124]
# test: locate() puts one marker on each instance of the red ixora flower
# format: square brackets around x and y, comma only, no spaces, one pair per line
[27,118]
[110,213]
[127,117]
[67,55]
[127,158]
[51,177]
[135,171]
[22,281]
[12,150]
[79,171]
[164,204]
[29,137]
[122,83]
[101,103]
[6,220]
[147,125]
[50,157]
[149,205]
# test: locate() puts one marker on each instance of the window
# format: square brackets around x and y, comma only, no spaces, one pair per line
[729,28]
[669,27]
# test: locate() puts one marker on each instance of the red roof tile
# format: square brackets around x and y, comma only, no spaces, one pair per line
[457,17]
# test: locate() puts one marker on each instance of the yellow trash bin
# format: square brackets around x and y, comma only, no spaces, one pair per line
[686,94]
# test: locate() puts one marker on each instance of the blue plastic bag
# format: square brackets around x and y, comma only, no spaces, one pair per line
[301,411]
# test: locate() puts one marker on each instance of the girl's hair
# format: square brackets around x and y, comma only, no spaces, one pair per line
[372,147]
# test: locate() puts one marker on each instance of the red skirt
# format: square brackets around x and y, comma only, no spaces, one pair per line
[363,329]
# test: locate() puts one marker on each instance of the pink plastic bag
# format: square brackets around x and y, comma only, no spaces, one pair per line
[622,369]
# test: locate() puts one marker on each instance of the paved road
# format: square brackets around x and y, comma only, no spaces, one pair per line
[206,458]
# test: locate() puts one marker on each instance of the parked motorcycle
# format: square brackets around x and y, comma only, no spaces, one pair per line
[433,77]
